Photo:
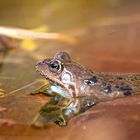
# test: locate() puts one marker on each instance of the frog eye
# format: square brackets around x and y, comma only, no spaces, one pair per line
[55,66]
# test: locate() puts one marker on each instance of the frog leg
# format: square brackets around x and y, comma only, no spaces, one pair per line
[51,90]
[45,90]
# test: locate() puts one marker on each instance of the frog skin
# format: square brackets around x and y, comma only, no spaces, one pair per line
[79,87]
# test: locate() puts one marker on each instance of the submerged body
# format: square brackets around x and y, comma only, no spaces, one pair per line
[81,88]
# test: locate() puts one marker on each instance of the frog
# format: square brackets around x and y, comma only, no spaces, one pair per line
[75,88]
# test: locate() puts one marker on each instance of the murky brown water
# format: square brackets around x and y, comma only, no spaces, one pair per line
[107,36]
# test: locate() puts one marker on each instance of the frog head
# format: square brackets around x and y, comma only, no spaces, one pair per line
[63,72]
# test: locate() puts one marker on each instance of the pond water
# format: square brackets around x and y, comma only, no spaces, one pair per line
[107,35]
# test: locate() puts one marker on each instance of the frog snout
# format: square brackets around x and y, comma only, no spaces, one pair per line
[39,65]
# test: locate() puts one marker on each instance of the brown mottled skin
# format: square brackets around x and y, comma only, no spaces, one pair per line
[83,87]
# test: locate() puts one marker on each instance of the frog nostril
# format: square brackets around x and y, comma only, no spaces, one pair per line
[39,63]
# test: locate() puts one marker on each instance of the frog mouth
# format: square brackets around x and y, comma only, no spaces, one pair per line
[57,86]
